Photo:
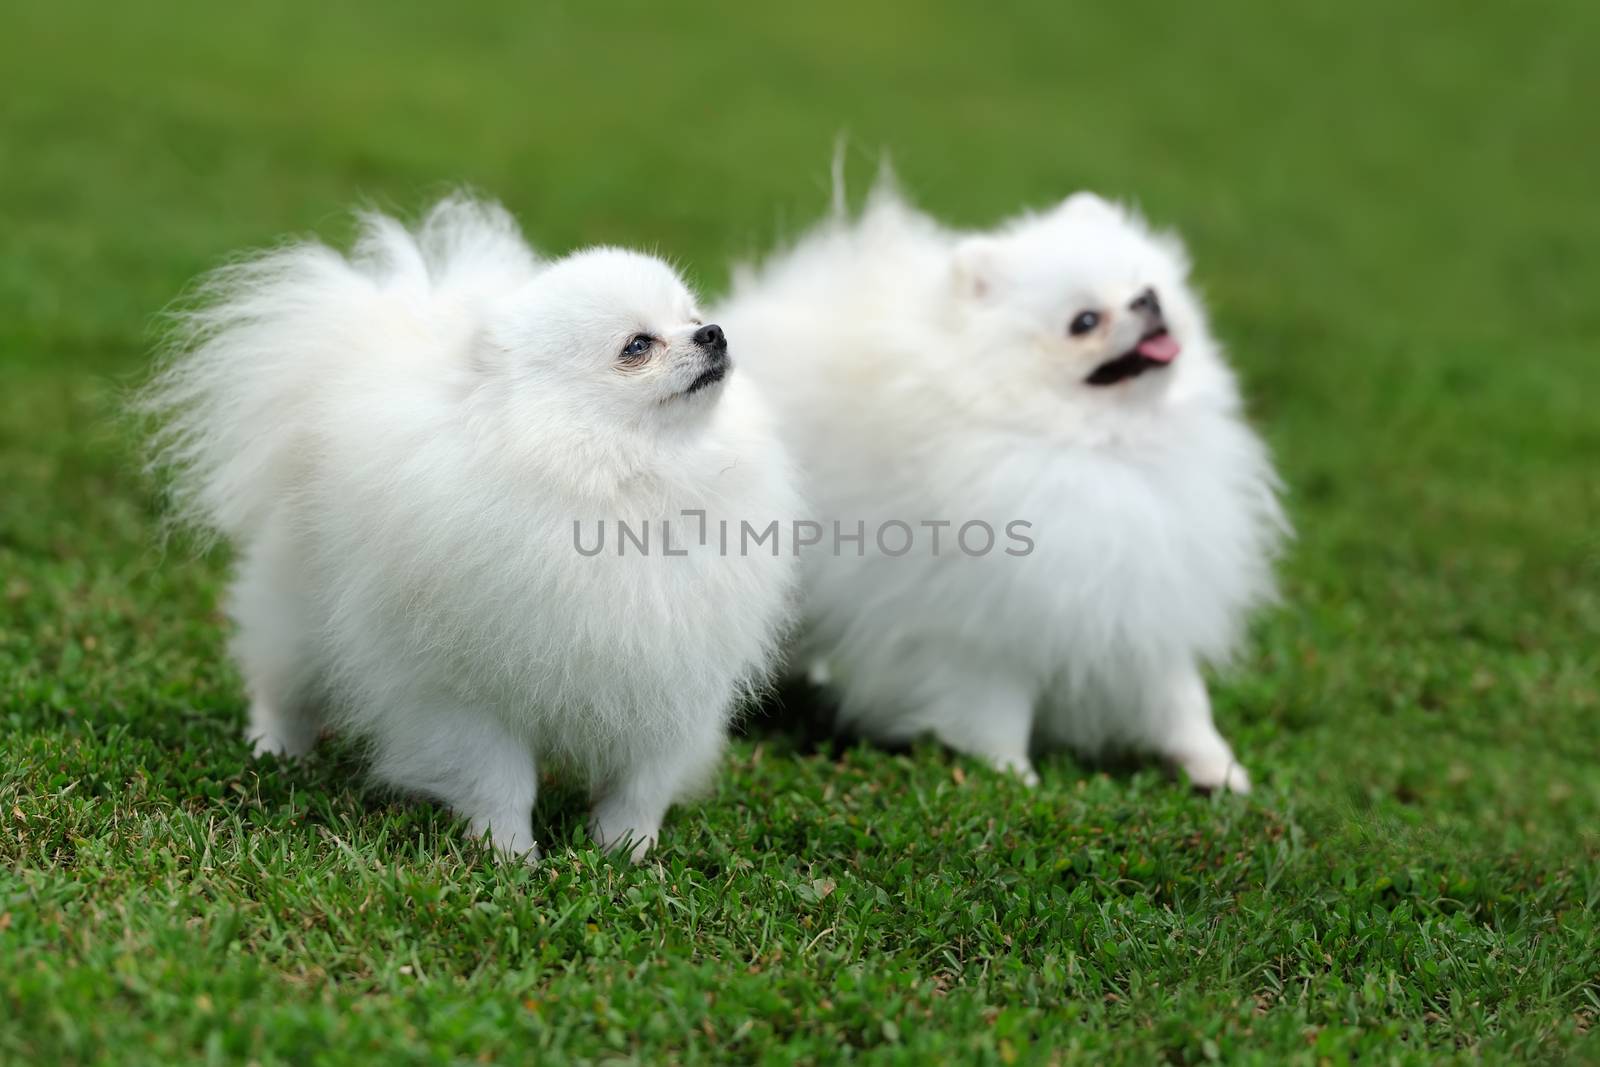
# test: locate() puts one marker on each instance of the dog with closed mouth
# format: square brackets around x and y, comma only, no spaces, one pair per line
[400,444]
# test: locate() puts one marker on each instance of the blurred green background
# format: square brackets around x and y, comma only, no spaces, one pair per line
[1393,213]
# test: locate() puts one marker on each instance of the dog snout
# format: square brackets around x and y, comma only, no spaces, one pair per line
[1147,303]
[712,339]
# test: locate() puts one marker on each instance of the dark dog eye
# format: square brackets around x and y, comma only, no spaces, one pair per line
[1085,322]
[638,346]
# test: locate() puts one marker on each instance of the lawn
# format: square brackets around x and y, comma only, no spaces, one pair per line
[1393,213]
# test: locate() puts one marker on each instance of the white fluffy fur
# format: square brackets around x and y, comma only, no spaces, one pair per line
[398,444]
[921,374]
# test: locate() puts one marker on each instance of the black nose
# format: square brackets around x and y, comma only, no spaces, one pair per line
[1146,302]
[711,337]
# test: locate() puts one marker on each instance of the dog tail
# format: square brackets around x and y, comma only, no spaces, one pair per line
[235,399]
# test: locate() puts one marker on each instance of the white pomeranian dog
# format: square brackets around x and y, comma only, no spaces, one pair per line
[1044,512]
[402,446]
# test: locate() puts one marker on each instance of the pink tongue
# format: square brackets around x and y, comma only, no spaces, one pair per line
[1163,348]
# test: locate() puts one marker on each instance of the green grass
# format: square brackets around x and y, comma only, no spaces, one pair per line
[1393,212]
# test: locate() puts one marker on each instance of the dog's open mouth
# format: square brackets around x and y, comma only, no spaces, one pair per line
[1155,349]
[708,378]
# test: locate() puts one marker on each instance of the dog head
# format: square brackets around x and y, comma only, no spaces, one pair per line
[615,339]
[1085,295]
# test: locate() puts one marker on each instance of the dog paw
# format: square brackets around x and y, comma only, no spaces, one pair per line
[507,844]
[1216,771]
[272,733]
[1019,766]
[270,744]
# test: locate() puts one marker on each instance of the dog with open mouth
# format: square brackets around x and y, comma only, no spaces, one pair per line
[1059,372]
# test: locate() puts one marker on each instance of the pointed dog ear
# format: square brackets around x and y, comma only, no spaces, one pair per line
[1087,205]
[973,267]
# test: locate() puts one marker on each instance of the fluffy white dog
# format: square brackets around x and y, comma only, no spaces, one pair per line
[402,444]
[1044,411]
